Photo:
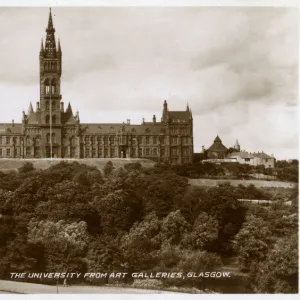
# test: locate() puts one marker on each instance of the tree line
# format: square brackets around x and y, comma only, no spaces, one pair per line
[73,218]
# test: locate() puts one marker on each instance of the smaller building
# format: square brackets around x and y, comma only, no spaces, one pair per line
[253,159]
[217,150]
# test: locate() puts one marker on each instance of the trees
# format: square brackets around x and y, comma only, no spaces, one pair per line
[278,273]
[252,242]
[108,168]
[139,244]
[27,167]
[70,218]
[174,227]
[118,211]
[203,234]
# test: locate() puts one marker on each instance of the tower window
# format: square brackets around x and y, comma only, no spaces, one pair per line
[28,141]
[47,119]
[73,141]
[47,86]
[47,105]
[37,140]
[53,86]
[54,119]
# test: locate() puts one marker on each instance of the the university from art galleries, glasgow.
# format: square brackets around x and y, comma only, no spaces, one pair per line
[53,131]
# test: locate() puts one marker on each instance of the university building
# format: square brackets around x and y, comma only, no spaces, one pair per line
[50,130]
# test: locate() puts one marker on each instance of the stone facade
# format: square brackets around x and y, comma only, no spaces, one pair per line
[53,131]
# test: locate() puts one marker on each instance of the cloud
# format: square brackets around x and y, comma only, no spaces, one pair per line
[236,67]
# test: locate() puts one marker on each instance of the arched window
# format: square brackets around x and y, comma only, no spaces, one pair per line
[28,141]
[53,105]
[47,119]
[47,86]
[53,86]
[53,119]
[53,138]
[47,105]
[37,140]
[48,137]
[73,141]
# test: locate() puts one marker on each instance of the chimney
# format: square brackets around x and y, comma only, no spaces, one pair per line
[128,121]
[143,120]
[203,149]
[13,123]
[37,105]
[62,106]
[154,119]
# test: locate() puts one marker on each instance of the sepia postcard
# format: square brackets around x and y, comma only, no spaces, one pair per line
[149,149]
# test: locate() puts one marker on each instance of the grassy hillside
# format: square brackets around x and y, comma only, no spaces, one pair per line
[236,182]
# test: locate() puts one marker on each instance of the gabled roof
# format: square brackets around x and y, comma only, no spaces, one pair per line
[217,146]
[179,115]
[244,154]
[262,155]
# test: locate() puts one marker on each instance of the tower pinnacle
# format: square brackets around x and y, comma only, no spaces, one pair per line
[50,45]
[42,46]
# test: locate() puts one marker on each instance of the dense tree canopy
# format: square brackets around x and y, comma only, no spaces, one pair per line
[72,218]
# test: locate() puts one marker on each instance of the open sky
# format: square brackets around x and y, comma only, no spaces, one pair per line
[236,67]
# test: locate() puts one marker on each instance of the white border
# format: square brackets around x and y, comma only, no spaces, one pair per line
[259,3]
[152,3]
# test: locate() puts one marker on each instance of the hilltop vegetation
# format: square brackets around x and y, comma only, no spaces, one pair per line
[284,170]
[72,218]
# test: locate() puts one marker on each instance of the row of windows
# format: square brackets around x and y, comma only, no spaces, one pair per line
[181,130]
[101,140]
[122,139]
[50,65]
[5,152]
[6,140]
[151,152]
[54,105]
[48,119]
[50,86]
[185,152]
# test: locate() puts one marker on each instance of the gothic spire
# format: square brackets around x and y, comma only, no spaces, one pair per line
[58,47]
[50,22]
[30,109]
[42,46]
[50,38]
[69,109]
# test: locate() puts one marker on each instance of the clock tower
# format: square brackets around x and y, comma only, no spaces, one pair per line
[50,107]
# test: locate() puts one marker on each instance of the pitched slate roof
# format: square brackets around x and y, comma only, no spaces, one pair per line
[32,118]
[242,154]
[262,155]
[147,128]
[10,128]
[217,146]
[179,115]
